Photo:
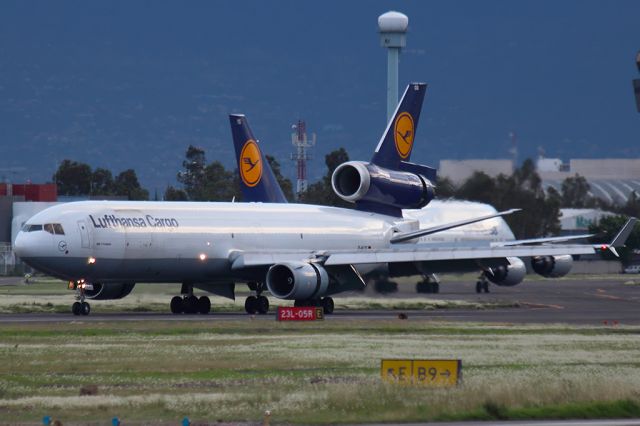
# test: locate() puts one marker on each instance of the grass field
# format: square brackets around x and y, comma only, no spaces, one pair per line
[324,372]
[314,373]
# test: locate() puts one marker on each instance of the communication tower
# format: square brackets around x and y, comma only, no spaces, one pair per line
[393,29]
[301,156]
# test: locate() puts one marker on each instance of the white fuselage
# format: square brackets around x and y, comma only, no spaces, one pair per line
[183,241]
[132,241]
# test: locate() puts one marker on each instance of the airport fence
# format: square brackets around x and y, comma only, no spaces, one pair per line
[7,260]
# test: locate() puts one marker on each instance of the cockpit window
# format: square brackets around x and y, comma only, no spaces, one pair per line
[52,228]
[32,228]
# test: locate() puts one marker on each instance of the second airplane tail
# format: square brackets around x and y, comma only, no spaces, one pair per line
[257,181]
[396,143]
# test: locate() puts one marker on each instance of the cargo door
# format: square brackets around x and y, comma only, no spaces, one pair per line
[84,234]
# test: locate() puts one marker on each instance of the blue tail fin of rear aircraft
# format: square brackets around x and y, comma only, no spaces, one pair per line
[257,181]
[395,146]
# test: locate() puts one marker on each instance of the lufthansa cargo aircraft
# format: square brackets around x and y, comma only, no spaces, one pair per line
[298,252]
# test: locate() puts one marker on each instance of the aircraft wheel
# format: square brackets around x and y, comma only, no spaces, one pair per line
[479,287]
[327,305]
[435,288]
[76,308]
[299,303]
[262,305]
[85,308]
[423,287]
[176,305]
[250,305]
[204,305]
[485,286]
[190,305]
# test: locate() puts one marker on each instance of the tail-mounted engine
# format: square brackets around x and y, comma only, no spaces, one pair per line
[552,266]
[508,275]
[108,291]
[297,280]
[375,188]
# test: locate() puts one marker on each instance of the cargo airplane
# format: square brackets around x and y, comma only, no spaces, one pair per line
[305,253]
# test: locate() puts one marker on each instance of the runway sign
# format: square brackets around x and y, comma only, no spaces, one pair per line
[429,372]
[302,313]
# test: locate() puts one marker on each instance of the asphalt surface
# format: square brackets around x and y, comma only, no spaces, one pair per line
[577,301]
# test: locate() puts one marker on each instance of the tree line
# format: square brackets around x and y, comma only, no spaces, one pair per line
[203,181]
[78,179]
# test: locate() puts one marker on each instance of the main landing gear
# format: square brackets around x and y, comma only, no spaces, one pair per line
[190,304]
[482,285]
[326,303]
[429,284]
[257,304]
[80,307]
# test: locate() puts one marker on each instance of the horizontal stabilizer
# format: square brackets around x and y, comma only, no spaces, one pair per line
[435,229]
[419,169]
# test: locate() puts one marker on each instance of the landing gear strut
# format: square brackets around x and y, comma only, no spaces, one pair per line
[80,307]
[257,304]
[482,285]
[326,303]
[190,304]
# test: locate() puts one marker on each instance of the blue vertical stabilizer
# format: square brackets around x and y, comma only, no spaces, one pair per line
[397,141]
[257,181]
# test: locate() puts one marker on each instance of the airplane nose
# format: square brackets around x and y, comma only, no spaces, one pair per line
[20,245]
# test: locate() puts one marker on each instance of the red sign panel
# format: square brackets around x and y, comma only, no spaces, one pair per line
[302,313]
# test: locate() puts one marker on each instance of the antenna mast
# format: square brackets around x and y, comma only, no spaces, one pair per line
[301,156]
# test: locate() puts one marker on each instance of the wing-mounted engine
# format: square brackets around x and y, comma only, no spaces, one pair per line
[552,266]
[297,281]
[378,189]
[108,291]
[507,275]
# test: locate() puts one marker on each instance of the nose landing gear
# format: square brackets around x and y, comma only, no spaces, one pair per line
[80,307]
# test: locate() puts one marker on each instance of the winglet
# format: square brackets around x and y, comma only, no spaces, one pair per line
[435,229]
[257,181]
[619,239]
[623,234]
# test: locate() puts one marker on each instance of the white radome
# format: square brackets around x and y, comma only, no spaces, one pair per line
[393,22]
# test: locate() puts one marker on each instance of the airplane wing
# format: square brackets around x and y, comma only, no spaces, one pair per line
[406,236]
[424,252]
[540,240]
[618,240]
[407,253]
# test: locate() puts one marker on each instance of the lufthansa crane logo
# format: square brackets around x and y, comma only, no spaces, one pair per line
[250,163]
[403,134]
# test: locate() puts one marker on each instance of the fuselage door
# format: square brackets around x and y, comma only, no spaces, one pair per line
[84,234]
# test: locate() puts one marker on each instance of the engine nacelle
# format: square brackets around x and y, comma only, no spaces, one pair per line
[508,275]
[297,280]
[552,266]
[355,181]
[108,291]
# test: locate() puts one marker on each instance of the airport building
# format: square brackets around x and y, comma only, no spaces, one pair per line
[18,202]
[610,179]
